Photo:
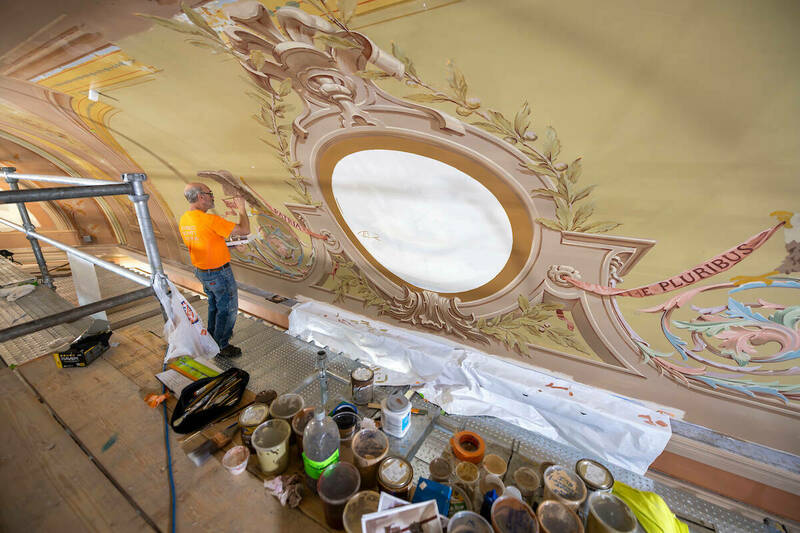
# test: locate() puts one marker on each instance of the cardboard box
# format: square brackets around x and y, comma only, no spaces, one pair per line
[86,348]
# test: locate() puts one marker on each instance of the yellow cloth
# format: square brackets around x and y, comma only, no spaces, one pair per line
[651,510]
[204,234]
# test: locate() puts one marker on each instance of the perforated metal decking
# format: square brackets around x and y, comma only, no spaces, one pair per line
[280,362]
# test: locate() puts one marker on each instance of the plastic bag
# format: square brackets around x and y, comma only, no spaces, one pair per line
[184,329]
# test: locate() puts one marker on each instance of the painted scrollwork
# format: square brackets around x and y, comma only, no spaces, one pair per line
[557,273]
[733,332]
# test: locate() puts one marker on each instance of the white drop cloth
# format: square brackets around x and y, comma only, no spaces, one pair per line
[465,381]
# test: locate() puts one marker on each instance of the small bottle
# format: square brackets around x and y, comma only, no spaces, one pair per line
[320,447]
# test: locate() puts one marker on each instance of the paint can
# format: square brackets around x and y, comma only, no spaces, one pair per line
[369,446]
[364,502]
[597,477]
[349,424]
[271,441]
[396,415]
[361,385]
[252,417]
[609,514]
[337,484]
[565,486]
[555,517]
[395,476]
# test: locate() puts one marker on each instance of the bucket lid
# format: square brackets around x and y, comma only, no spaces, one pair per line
[595,475]
[271,433]
[395,473]
[254,414]
[287,405]
[338,483]
[397,403]
[494,464]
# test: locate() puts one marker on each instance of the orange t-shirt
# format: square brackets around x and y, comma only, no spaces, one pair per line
[204,234]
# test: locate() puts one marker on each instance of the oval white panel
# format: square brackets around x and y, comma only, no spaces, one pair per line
[427,222]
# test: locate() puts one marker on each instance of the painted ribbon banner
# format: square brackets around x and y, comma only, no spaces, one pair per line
[722,262]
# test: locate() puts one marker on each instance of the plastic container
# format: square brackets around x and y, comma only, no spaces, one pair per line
[468,522]
[286,406]
[396,415]
[595,476]
[565,486]
[348,424]
[369,446]
[320,447]
[459,500]
[364,502]
[510,515]
[490,482]
[299,422]
[361,385]
[337,484]
[394,476]
[467,478]
[513,492]
[235,459]
[468,446]
[252,417]
[528,482]
[609,514]
[494,464]
[441,470]
[271,441]
[555,517]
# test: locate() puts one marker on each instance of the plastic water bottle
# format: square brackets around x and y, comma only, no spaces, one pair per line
[320,447]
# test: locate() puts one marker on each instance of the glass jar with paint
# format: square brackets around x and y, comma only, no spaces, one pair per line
[362,385]
[394,476]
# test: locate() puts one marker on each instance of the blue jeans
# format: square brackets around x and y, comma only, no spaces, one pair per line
[223,303]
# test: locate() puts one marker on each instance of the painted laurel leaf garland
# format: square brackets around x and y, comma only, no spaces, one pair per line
[273,108]
[733,332]
[516,329]
[573,210]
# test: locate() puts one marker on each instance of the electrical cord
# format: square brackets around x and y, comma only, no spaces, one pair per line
[169,462]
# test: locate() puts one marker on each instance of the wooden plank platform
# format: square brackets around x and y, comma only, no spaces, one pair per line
[104,402]
[47,483]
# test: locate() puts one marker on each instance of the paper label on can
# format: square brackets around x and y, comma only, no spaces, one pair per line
[314,468]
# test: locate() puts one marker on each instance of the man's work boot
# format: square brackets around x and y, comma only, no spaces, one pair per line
[230,351]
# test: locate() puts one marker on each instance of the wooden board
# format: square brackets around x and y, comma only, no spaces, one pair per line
[104,400]
[47,483]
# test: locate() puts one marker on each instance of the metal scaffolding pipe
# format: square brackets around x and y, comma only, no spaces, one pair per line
[6,172]
[64,193]
[73,314]
[139,199]
[47,280]
[125,273]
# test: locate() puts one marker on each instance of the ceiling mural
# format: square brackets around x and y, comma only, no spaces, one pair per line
[398,168]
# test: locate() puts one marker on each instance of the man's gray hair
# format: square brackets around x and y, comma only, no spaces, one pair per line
[192,194]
